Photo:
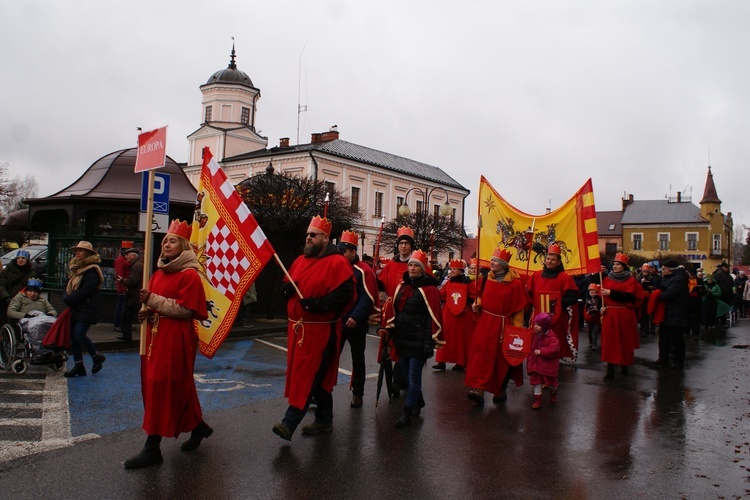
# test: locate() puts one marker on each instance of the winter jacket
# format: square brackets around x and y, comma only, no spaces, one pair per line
[676,300]
[13,279]
[21,304]
[547,362]
[81,294]
[413,326]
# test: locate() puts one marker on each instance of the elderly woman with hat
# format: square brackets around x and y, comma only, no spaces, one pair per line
[501,301]
[621,302]
[12,280]
[174,300]
[81,295]
[415,328]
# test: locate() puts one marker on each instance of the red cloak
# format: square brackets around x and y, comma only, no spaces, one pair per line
[458,322]
[308,332]
[170,400]
[620,322]
[502,303]
[565,327]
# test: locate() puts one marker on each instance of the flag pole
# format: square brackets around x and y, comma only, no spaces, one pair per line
[147,260]
[283,268]
[528,251]
[477,273]
[376,257]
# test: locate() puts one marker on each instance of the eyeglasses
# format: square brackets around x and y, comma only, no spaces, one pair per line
[313,235]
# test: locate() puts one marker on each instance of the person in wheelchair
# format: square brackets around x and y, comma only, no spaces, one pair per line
[24,308]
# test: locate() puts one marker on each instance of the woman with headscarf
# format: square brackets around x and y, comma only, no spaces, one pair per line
[13,279]
[621,302]
[81,295]
[175,300]
[415,328]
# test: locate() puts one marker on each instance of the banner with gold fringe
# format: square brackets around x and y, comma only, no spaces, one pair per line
[232,250]
[571,226]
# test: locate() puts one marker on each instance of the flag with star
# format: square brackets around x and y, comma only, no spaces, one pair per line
[572,226]
[232,250]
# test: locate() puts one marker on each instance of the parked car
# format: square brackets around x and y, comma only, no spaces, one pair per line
[38,258]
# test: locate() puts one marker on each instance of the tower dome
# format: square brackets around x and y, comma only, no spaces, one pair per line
[231,75]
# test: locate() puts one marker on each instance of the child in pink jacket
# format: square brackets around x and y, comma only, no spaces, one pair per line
[543,363]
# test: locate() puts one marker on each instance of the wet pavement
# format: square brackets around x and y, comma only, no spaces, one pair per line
[658,433]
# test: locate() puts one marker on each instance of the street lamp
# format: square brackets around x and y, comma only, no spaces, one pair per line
[445,209]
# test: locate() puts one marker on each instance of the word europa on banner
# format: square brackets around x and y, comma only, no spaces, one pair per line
[150,147]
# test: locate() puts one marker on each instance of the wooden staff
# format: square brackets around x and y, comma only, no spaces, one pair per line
[147,261]
[528,251]
[477,300]
[283,268]
[376,257]
[326,202]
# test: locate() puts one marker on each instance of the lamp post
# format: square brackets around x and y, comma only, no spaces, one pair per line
[445,209]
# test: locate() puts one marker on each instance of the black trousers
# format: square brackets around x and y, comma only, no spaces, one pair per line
[357,341]
[672,340]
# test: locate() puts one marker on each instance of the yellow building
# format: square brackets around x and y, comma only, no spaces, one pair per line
[675,226]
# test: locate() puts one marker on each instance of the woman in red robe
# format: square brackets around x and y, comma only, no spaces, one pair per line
[175,299]
[621,299]
[501,300]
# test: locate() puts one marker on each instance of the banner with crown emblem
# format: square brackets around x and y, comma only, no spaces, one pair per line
[232,250]
[572,227]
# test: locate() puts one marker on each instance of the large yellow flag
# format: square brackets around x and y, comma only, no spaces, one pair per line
[572,227]
[232,249]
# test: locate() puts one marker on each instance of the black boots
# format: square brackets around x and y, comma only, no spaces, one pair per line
[610,372]
[98,360]
[405,418]
[149,455]
[201,431]
[417,408]
[78,370]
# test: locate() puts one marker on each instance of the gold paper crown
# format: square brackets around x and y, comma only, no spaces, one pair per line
[622,258]
[180,228]
[502,254]
[404,231]
[350,237]
[126,244]
[320,224]
[457,264]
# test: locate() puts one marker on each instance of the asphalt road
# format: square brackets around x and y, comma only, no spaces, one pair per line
[655,434]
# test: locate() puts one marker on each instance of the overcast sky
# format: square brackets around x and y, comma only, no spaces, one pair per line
[538,96]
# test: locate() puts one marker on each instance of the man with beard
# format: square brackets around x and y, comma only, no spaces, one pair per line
[326,281]
[553,291]
[355,320]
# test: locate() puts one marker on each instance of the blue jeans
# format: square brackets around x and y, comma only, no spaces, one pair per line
[78,339]
[412,371]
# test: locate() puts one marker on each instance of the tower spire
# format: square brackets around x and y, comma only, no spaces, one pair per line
[709,192]
[232,64]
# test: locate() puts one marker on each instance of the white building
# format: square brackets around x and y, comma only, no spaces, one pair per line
[377,182]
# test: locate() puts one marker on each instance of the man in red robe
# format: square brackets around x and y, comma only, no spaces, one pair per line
[501,301]
[553,291]
[356,320]
[326,281]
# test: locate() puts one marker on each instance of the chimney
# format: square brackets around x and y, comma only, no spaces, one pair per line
[679,197]
[626,201]
[284,142]
[331,135]
[315,138]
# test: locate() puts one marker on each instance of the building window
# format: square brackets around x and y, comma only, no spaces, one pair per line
[692,241]
[355,199]
[663,241]
[399,202]
[378,204]
[716,247]
[419,206]
[436,212]
[610,249]
[330,188]
[453,217]
[245,118]
[209,111]
[637,241]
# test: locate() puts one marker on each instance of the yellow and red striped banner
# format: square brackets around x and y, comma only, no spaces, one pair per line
[571,226]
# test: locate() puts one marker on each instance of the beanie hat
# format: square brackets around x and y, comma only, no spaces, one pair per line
[544,320]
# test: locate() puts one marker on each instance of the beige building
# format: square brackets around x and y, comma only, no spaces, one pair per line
[655,228]
[377,182]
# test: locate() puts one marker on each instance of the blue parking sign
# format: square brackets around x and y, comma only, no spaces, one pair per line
[161,193]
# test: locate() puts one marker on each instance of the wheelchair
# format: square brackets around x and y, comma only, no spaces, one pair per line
[18,351]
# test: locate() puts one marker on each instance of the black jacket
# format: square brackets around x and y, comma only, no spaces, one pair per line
[84,301]
[413,329]
[676,300]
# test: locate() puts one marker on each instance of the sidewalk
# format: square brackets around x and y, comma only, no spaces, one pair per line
[105,337]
